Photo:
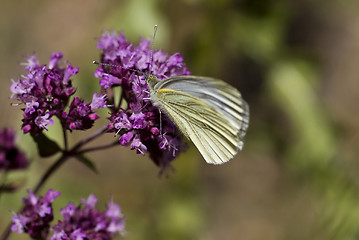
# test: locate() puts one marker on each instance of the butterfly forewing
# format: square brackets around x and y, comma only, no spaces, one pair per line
[208,129]
[218,94]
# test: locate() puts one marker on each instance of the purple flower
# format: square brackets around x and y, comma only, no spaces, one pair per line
[122,121]
[80,116]
[31,63]
[45,91]
[98,101]
[126,138]
[138,145]
[11,158]
[90,202]
[54,59]
[140,123]
[107,80]
[31,107]
[68,211]
[37,214]
[43,121]
[69,72]
[86,222]
[20,223]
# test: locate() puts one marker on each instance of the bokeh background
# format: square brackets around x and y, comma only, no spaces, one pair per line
[295,62]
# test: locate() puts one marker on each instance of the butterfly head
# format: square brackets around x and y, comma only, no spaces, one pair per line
[151,80]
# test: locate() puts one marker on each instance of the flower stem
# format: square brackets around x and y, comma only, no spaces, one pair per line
[88,139]
[3,182]
[66,146]
[7,232]
[104,146]
[50,171]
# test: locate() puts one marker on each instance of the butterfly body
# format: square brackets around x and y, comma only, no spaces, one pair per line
[208,111]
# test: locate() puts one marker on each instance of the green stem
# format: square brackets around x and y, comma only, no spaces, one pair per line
[66,146]
[3,182]
[88,139]
[101,147]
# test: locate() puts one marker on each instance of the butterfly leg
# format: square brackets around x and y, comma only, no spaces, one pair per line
[159,110]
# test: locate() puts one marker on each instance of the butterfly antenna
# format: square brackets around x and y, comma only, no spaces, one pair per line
[153,40]
[112,65]
[151,59]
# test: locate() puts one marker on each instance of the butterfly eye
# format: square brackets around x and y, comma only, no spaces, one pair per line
[151,80]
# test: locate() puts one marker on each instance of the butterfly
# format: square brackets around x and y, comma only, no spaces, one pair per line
[209,112]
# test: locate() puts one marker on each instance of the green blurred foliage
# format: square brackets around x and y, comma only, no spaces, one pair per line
[295,62]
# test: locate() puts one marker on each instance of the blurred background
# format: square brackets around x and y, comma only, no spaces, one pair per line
[296,64]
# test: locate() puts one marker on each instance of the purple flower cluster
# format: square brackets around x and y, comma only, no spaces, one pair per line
[81,222]
[140,123]
[86,222]
[45,92]
[36,217]
[80,115]
[11,158]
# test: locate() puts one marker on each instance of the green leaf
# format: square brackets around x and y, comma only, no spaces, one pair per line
[87,162]
[45,146]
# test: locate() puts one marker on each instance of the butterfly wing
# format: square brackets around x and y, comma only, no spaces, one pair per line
[210,130]
[218,94]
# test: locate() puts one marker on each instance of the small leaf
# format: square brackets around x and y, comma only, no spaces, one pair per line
[45,146]
[87,162]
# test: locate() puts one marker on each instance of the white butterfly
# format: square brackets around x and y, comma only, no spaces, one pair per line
[208,111]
